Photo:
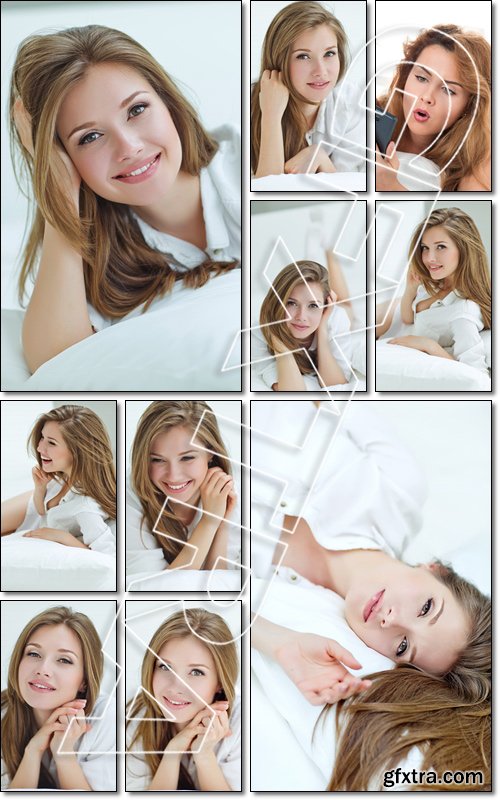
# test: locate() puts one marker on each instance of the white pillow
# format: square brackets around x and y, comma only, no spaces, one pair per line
[401,368]
[186,580]
[37,565]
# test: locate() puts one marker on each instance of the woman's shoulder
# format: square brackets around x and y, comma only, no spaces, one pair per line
[465,307]
[479,180]
[89,504]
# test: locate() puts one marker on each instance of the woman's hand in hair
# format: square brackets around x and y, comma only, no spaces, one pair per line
[316,666]
[183,740]
[56,535]
[273,95]
[65,171]
[65,740]
[311,159]
[413,281]
[215,491]
[386,170]
[330,301]
[42,738]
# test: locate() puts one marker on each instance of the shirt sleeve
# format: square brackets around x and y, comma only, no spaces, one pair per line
[144,555]
[97,752]
[468,347]
[263,363]
[95,532]
[229,754]
[342,349]
[350,124]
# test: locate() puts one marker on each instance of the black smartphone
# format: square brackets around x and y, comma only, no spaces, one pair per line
[384,128]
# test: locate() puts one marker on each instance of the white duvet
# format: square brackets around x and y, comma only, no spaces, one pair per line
[180,344]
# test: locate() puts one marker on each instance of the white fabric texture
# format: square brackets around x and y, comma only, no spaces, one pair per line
[417,173]
[340,126]
[319,182]
[342,350]
[80,515]
[95,750]
[228,752]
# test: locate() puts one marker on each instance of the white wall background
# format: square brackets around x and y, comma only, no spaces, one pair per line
[18,418]
[392,256]
[145,625]
[198,43]
[292,224]
[351,13]
[17,613]
[411,17]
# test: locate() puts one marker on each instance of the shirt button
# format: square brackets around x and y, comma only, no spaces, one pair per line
[293,577]
[283,504]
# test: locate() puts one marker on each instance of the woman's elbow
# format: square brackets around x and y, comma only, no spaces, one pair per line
[37,349]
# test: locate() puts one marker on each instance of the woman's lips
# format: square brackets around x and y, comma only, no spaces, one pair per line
[420,115]
[299,327]
[152,165]
[176,705]
[372,605]
[41,687]
[319,84]
[177,488]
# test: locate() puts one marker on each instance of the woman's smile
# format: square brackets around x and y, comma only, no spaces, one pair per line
[144,170]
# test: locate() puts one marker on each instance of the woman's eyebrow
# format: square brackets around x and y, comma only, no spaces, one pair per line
[455,83]
[306,50]
[122,105]
[185,453]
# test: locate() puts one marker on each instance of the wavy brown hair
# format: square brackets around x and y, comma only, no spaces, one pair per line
[273,307]
[447,717]
[457,150]
[160,417]
[471,279]
[215,635]
[18,721]
[93,470]
[121,270]
[287,25]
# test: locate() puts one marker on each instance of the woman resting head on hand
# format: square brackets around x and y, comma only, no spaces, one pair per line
[55,673]
[188,676]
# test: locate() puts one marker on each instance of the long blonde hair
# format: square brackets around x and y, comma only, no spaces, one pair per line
[215,635]
[272,310]
[160,417]
[18,722]
[121,270]
[471,279]
[447,717]
[286,27]
[92,471]
[458,149]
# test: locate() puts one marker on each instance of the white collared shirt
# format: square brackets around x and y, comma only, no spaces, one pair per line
[264,364]
[341,123]
[220,186]
[227,751]
[80,515]
[454,323]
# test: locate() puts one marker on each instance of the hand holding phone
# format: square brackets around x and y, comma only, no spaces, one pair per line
[384,128]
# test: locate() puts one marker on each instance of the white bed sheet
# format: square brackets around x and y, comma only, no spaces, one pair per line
[324,181]
[399,368]
[186,580]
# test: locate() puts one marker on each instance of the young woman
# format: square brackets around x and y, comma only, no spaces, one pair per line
[182,502]
[435,626]
[299,100]
[132,194]
[448,71]
[447,298]
[183,729]
[304,344]
[75,484]
[53,685]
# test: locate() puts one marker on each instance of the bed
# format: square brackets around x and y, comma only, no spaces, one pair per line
[322,182]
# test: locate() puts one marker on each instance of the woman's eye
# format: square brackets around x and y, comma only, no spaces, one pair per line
[187,458]
[447,90]
[197,672]
[87,138]
[313,305]
[65,661]
[164,667]
[156,460]
[441,247]
[421,78]
[331,53]
[138,109]
[302,56]
[32,653]
[290,303]
[403,647]
[426,607]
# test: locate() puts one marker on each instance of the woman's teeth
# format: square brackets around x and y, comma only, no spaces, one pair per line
[177,487]
[42,686]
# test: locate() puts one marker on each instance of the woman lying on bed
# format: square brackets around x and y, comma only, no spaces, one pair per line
[434,625]
[127,204]
[75,486]
[447,298]
[182,492]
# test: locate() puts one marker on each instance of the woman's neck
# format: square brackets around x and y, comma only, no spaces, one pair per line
[348,568]
[310,113]
[180,213]
[185,514]
[41,716]
[413,143]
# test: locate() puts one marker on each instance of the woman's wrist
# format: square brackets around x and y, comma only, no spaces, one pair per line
[205,756]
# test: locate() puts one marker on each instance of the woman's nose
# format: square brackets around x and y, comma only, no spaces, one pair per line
[427,95]
[128,147]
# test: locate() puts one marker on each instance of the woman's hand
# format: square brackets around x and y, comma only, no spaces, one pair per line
[316,666]
[65,171]
[55,535]
[182,742]
[423,343]
[273,95]
[40,479]
[67,738]
[413,281]
[311,159]
[330,301]
[215,491]
[218,729]
[385,179]
[42,738]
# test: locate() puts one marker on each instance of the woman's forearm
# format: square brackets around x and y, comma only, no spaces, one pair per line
[290,378]
[407,313]
[210,776]
[267,637]
[57,315]
[201,539]
[14,511]
[218,548]
[70,774]
[28,771]
[271,152]
[330,372]
[167,774]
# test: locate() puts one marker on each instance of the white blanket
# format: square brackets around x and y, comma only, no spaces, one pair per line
[322,182]
[180,344]
[399,368]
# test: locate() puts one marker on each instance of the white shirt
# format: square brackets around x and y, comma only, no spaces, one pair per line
[418,173]
[341,123]
[95,750]
[228,752]
[454,323]
[220,186]
[144,554]
[368,492]
[338,323]
[80,515]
